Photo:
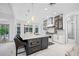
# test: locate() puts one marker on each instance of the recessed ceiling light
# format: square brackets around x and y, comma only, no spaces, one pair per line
[45,9]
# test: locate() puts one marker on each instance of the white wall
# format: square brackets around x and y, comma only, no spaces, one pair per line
[6,17]
[77,30]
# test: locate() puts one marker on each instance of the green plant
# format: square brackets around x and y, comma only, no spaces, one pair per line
[3,31]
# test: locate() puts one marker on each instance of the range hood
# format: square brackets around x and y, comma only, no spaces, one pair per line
[50,25]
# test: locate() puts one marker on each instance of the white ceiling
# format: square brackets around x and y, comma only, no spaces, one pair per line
[38,9]
[5,11]
[20,10]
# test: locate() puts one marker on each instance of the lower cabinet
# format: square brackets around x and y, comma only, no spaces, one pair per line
[33,49]
[44,43]
[34,45]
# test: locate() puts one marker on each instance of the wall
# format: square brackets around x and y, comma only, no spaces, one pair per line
[77,30]
[6,17]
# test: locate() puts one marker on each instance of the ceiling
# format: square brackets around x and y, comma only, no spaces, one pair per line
[40,11]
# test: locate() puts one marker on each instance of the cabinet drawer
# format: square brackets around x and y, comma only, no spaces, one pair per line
[34,42]
[34,49]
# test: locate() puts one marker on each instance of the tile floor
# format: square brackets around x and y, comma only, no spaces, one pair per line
[56,49]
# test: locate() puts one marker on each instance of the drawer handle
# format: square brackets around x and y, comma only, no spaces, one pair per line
[37,42]
[31,43]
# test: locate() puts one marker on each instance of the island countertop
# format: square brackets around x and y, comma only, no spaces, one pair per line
[32,36]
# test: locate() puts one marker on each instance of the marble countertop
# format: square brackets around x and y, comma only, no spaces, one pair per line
[32,36]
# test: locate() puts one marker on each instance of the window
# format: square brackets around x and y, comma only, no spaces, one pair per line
[30,28]
[4,31]
[18,29]
[25,28]
[36,29]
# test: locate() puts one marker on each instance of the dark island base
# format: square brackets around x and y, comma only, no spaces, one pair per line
[37,44]
[35,51]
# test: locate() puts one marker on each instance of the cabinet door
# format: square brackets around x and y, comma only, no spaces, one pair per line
[34,49]
[44,43]
[34,42]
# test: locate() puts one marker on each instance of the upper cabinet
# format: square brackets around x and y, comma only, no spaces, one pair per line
[45,24]
[59,21]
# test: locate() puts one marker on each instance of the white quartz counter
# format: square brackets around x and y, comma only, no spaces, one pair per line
[31,36]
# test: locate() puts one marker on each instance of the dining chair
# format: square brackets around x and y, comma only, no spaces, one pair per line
[19,44]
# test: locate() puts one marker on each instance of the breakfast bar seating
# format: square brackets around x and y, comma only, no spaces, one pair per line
[19,44]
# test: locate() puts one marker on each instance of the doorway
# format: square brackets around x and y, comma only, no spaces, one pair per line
[71,30]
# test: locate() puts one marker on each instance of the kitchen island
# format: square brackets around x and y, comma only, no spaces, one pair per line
[35,43]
